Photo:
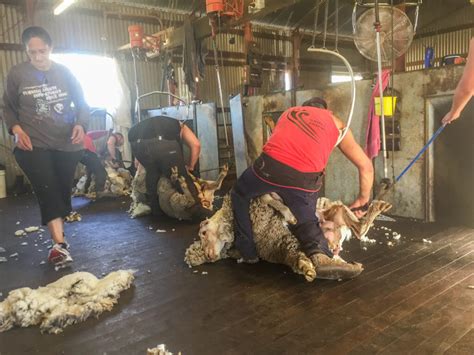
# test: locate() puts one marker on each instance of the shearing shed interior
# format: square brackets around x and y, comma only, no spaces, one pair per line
[236,177]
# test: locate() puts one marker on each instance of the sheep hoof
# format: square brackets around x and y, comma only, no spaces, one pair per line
[307,269]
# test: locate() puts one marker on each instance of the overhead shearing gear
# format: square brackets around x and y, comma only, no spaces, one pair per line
[335,53]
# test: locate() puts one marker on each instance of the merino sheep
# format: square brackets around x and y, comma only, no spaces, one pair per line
[69,300]
[118,183]
[174,203]
[273,239]
[139,206]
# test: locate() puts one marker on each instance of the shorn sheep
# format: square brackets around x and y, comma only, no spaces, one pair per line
[273,239]
[69,300]
[174,203]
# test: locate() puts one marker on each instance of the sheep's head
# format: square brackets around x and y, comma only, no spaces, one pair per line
[333,222]
[332,233]
[216,238]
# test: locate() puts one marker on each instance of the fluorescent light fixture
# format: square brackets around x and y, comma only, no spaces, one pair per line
[62,6]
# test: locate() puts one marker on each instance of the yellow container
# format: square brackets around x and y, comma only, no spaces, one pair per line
[389,103]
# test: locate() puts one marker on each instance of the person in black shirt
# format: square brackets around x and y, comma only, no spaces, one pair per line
[156,143]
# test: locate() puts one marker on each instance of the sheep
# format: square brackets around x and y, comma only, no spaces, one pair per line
[273,239]
[139,206]
[69,300]
[172,202]
[118,183]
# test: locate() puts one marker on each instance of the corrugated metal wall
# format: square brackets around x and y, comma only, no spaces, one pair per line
[11,26]
[443,41]
[89,30]
[456,42]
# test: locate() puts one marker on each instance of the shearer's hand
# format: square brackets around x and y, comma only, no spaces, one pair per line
[22,140]
[77,134]
[360,206]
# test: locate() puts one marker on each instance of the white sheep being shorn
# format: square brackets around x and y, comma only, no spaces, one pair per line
[274,241]
[172,202]
[118,183]
[69,300]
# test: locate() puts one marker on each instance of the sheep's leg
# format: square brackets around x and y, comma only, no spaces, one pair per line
[195,255]
[376,207]
[184,188]
[216,185]
[297,260]
[174,174]
[286,251]
[274,201]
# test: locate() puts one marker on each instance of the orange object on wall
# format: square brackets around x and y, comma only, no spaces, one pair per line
[136,36]
[215,6]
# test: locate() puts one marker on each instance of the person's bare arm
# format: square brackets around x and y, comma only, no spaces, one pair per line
[354,152]
[111,143]
[464,90]
[194,145]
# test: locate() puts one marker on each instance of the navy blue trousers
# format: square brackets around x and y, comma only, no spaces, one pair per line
[301,203]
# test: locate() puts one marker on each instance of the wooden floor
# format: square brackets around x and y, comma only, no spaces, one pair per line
[413,297]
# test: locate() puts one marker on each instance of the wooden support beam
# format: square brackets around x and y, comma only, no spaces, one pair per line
[11,47]
[295,65]
[12,2]
[30,10]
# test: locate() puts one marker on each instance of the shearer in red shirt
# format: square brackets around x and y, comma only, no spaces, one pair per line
[292,165]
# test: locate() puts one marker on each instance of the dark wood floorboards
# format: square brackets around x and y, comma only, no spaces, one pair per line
[413,297]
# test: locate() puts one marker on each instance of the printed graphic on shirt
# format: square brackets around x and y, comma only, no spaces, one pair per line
[49,102]
[297,117]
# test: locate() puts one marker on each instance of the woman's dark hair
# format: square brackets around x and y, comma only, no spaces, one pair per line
[316,102]
[36,31]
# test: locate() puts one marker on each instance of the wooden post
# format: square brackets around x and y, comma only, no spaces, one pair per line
[30,9]
[295,65]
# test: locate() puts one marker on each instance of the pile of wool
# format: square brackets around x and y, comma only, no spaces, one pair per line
[69,300]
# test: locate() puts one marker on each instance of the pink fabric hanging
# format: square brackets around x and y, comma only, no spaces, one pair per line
[372,138]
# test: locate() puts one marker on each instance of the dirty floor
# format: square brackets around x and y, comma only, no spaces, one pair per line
[415,296]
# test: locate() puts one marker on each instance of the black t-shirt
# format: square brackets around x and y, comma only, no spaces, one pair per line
[160,126]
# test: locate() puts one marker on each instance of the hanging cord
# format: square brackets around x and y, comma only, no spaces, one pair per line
[326,9]
[316,15]
[338,55]
[392,92]
[337,26]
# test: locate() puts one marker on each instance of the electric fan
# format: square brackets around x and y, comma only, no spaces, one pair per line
[365,35]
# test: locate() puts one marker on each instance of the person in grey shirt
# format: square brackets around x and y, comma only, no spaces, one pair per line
[46,112]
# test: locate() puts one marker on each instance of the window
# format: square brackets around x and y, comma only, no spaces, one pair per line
[343,77]
[98,77]
[287,80]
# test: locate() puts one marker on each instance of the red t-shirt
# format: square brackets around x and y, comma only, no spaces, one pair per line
[89,144]
[303,138]
[89,138]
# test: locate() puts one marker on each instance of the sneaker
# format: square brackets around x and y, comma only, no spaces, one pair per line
[59,255]
[334,268]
